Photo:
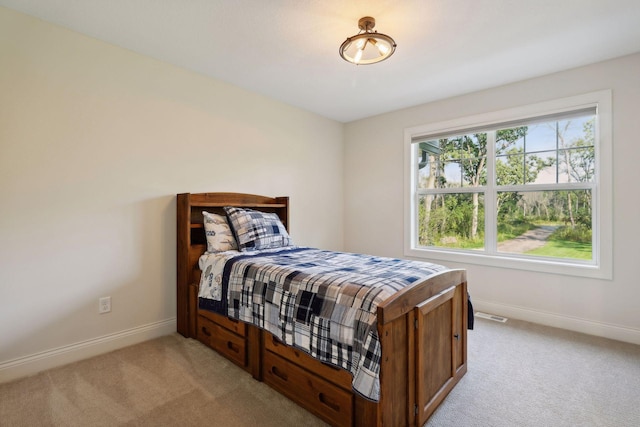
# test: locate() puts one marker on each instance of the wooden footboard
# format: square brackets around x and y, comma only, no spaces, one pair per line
[423,336]
[422,330]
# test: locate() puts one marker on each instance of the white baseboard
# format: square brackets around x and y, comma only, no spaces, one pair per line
[34,363]
[590,327]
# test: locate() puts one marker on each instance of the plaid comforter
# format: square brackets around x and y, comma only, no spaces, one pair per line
[319,301]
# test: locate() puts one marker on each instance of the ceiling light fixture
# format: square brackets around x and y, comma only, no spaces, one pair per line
[368,46]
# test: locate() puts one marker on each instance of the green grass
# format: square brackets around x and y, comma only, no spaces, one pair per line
[461,243]
[567,242]
[478,243]
[511,230]
[564,249]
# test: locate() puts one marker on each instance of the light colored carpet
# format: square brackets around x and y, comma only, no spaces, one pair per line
[523,374]
[169,381]
[520,374]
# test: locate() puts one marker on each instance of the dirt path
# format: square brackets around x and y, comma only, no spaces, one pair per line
[532,239]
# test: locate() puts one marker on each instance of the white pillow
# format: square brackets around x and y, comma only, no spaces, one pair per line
[219,235]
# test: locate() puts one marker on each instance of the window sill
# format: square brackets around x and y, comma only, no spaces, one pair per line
[542,265]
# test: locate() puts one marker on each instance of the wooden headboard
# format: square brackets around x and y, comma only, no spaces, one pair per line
[191,241]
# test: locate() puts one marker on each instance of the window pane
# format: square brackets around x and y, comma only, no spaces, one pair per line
[510,139]
[541,137]
[576,165]
[474,171]
[545,223]
[427,170]
[453,162]
[471,149]
[577,132]
[453,175]
[542,168]
[510,168]
[451,220]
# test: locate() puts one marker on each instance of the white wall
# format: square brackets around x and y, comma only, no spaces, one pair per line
[374,202]
[95,141]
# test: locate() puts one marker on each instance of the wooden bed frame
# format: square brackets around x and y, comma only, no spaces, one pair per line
[422,330]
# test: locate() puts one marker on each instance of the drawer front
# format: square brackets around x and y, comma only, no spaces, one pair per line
[224,342]
[235,326]
[317,395]
[332,373]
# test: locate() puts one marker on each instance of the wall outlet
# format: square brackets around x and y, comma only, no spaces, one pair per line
[104,305]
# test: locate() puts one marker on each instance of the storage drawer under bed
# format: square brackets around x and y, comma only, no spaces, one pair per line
[227,343]
[316,394]
[235,326]
[329,372]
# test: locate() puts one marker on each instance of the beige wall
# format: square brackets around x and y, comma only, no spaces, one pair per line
[374,201]
[95,141]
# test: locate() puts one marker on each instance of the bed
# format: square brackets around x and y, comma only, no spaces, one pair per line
[420,328]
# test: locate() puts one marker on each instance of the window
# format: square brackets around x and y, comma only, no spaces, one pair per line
[521,188]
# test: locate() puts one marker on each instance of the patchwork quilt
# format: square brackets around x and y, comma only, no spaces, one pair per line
[321,302]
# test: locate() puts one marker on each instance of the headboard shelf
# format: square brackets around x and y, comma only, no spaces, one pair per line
[242,205]
[192,240]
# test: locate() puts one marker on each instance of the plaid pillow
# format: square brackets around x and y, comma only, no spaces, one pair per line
[256,230]
[219,234]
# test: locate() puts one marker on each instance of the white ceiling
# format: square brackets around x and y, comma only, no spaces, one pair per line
[288,49]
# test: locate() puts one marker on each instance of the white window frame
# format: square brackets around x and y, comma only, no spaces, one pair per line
[602,264]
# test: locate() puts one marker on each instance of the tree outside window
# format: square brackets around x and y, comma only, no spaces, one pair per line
[539,176]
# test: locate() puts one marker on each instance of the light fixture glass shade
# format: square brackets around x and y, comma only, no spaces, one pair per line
[367,47]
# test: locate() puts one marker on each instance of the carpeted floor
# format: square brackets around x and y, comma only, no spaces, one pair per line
[520,374]
[523,374]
